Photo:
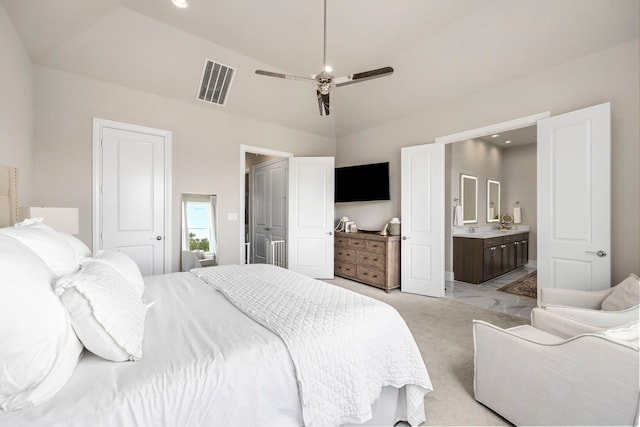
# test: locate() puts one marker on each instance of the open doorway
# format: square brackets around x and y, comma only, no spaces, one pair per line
[251,157]
[504,167]
[473,134]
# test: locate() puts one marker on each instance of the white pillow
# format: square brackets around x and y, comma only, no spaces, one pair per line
[121,263]
[80,250]
[624,295]
[47,244]
[38,348]
[107,313]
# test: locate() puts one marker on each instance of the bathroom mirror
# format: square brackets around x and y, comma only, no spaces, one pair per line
[469,198]
[199,231]
[493,201]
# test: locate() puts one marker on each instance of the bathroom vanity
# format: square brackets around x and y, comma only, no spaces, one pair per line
[481,256]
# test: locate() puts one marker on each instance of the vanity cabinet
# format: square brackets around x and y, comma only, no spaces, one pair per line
[368,258]
[476,260]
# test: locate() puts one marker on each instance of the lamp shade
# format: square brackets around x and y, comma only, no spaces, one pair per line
[61,219]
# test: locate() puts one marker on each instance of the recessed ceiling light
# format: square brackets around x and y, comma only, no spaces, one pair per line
[180,3]
[507,142]
[495,136]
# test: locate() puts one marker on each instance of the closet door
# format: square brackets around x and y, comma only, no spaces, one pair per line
[132,193]
[269,210]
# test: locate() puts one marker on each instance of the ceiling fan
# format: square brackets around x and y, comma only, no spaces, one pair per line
[325,80]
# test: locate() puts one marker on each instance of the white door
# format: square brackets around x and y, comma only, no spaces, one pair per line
[269,207]
[311,203]
[574,200]
[132,198]
[422,245]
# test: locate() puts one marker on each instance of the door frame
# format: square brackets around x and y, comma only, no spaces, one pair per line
[98,126]
[244,149]
[508,125]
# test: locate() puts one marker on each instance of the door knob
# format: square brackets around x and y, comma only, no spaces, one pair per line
[405,238]
[158,237]
[600,253]
[330,233]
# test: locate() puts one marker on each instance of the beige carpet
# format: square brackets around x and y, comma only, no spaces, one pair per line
[443,331]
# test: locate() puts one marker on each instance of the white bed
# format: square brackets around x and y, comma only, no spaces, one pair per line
[205,362]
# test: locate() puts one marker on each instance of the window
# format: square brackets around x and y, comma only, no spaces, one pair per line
[199,220]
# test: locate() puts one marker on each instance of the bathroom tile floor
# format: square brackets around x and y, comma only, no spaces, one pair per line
[486,294]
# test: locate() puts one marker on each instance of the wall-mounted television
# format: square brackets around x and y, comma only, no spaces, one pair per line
[362,183]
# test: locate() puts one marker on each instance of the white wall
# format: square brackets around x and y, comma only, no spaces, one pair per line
[17,109]
[206,148]
[519,174]
[609,75]
[480,159]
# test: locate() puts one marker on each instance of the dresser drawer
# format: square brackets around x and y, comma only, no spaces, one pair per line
[376,246]
[371,259]
[344,254]
[371,275]
[357,243]
[341,241]
[345,269]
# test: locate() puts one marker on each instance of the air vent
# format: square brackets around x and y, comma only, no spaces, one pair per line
[216,79]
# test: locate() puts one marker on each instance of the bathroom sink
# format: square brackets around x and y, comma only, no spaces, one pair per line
[487,234]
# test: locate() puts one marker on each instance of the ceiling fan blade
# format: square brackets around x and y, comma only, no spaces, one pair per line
[361,77]
[323,103]
[283,76]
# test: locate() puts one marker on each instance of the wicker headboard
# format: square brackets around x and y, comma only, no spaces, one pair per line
[8,196]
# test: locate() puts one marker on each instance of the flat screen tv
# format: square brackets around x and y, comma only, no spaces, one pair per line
[362,183]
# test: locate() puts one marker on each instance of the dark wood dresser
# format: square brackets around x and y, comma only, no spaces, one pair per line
[368,258]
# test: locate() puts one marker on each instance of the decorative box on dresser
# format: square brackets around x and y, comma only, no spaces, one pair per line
[368,258]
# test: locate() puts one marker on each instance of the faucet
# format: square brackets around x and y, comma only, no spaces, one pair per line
[471,229]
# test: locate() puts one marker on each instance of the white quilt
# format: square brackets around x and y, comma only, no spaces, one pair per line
[345,347]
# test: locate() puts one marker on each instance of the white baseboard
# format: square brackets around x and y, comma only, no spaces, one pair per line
[448,276]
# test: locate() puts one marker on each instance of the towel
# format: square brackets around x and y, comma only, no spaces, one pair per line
[517,215]
[457,216]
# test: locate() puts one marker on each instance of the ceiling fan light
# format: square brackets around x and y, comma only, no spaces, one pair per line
[328,68]
[180,3]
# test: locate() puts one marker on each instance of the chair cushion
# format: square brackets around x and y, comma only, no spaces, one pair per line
[624,295]
[531,333]
[627,332]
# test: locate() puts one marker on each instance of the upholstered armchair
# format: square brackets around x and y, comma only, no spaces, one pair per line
[547,374]
[604,309]
[196,259]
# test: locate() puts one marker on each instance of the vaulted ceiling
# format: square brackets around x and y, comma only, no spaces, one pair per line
[440,49]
